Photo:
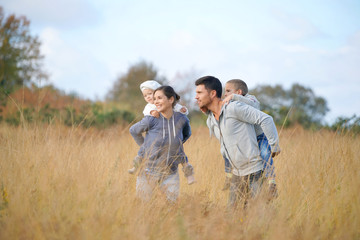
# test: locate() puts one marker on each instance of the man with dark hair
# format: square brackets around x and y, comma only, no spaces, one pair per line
[233,125]
[211,82]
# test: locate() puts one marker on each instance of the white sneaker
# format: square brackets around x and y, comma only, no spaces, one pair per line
[132,170]
[191,179]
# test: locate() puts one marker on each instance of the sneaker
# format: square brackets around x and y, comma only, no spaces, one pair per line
[132,170]
[272,191]
[191,179]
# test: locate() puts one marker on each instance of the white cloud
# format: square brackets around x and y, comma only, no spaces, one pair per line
[296,28]
[295,48]
[72,69]
[182,39]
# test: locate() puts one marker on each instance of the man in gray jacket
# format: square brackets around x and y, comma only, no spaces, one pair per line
[233,125]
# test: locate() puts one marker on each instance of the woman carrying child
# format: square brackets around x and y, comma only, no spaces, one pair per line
[147,89]
[163,146]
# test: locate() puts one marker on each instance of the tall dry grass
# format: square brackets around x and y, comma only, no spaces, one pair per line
[71,183]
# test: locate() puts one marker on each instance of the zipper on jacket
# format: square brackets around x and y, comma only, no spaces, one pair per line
[223,142]
[168,154]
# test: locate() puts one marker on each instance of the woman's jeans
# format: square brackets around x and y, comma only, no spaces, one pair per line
[147,182]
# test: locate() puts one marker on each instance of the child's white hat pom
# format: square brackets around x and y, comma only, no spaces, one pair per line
[150,84]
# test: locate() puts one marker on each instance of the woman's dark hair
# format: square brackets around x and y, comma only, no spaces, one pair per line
[169,92]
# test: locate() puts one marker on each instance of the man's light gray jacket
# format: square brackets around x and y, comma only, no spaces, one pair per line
[236,133]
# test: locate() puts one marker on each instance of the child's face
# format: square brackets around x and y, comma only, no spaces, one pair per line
[148,95]
[229,89]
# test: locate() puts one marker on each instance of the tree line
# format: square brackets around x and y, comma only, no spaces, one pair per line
[21,68]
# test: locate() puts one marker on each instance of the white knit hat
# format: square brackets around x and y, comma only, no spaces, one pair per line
[150,84]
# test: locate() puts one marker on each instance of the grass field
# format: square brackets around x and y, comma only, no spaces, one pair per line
[71,183]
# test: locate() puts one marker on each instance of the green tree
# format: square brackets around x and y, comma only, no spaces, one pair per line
[20,58]
[273,101]
[298,104]
[126,88]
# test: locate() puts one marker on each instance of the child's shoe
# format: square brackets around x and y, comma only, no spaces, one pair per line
[189,173]
[272,188]
[132,170]
[191,179]
[137,161]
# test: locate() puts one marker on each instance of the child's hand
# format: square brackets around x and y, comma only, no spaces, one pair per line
[155,113]
[274,154]
[227,99]
[183,109]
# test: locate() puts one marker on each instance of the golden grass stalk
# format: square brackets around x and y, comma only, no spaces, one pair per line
[71,183]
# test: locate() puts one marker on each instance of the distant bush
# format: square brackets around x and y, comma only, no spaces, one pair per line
[90,115]
[95,115]
[48,114]
[13,120]
[347,124]
[48,104]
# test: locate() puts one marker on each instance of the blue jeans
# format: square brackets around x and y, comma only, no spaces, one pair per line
[147,182]
[265,154]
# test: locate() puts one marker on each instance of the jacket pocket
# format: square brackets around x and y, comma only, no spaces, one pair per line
[236,156]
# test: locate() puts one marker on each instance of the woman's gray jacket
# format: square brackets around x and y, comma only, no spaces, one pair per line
[162,145]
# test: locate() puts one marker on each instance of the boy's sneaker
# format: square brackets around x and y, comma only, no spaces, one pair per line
[132,170]
[137,161]
[272,191]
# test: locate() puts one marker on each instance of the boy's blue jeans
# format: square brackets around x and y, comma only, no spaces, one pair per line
[265,154]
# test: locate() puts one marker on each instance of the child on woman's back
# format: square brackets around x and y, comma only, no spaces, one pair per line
[147,88]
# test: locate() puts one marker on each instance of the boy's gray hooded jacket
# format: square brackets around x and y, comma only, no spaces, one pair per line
[163,142]
[236,133]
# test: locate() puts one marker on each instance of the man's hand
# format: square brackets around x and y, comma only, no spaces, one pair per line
[155,113]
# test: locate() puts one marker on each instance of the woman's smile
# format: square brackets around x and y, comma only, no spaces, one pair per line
[161,102]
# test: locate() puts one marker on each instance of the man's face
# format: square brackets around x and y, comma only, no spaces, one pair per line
[202,97]
[230,89]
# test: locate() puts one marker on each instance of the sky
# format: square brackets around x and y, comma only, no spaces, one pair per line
[88,44]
